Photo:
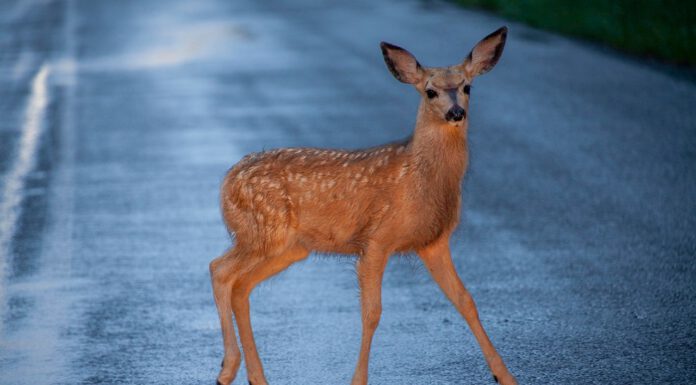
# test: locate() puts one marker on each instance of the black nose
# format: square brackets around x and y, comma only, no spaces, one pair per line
[455,113]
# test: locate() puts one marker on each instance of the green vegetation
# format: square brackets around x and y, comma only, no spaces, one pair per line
[661,29]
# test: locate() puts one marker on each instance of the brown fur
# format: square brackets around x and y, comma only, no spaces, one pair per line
[400,197]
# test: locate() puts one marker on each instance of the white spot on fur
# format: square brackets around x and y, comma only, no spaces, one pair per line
[403,171]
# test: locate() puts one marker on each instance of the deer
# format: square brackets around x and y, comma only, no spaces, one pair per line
[402,197]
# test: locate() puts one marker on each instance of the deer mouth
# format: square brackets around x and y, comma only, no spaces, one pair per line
[455,114]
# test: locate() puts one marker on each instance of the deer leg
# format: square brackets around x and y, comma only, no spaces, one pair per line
[222,274]
[438,260]
[370,269]
[240,304]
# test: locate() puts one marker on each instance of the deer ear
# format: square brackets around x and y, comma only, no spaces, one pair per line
[486,53]
[401,63]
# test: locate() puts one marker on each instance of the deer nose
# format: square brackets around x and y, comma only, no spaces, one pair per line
[455,113]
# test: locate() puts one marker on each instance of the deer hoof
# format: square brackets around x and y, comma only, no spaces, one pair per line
[504,379]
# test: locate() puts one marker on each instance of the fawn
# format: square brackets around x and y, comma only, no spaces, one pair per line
[399,197]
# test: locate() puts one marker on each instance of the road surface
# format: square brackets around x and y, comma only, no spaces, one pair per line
[119,119]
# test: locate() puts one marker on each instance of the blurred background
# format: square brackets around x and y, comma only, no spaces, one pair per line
[118,120]
[663,30]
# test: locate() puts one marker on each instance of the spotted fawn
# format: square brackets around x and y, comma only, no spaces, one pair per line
[281,205]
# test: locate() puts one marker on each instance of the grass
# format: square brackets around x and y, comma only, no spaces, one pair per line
[665,30]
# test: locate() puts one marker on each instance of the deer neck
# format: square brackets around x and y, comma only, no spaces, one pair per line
[439,148]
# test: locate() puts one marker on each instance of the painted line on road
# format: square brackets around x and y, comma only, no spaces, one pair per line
[25,162]
[52,291]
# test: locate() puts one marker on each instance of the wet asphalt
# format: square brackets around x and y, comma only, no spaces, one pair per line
[118,120]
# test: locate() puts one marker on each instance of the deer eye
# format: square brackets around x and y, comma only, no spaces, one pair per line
[467,89]
[431,94]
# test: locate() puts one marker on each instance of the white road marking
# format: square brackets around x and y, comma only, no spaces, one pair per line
[51,290]
[13,191]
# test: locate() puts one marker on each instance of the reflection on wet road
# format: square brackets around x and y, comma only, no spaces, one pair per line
[119,119]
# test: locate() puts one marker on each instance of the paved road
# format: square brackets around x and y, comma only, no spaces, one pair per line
[119,119]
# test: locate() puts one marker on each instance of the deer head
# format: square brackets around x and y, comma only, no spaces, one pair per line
[445,90]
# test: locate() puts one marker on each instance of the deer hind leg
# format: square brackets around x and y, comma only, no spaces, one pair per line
[370,269]
[223,273]
[438,260]
[240,303]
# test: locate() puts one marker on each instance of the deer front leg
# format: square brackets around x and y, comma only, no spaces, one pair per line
[438,260]
[370,269]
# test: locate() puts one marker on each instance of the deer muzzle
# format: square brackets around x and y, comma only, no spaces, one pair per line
[455,114]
